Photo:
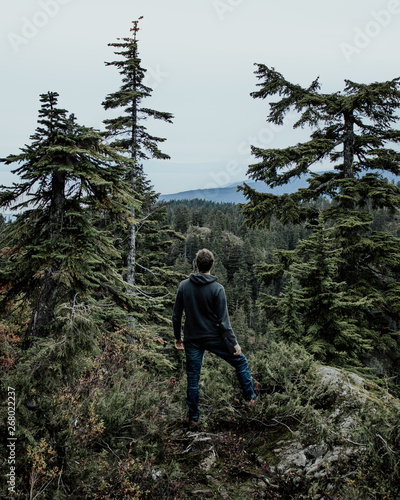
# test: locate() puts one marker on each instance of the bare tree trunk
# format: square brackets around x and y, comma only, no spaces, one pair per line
[131,263]
[130,277]
[43,310]
[131,260]
[348,144]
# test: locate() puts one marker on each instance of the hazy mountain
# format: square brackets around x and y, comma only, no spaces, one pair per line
[229,193]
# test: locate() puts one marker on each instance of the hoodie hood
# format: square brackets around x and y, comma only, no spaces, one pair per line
[202,279]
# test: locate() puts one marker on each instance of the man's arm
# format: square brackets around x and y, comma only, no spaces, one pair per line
[238,350]
[177,315]
[225,325]
[179,345]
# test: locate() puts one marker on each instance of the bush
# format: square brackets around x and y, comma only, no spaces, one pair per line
[95,431]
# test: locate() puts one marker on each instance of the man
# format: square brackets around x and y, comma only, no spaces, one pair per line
[207,328]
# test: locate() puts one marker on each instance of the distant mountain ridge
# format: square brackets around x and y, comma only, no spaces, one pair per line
[230,194]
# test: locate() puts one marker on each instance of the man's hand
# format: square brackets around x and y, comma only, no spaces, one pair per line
[238,350]
[179,345]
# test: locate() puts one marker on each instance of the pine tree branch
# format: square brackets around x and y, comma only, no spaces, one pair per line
[147,269]
[386,445]
[106,445]
[155,297]
[143,219]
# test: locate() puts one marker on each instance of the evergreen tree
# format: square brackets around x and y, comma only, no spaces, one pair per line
[182,265]
[3,222]
[155,280]
[354,130]
[234,261]
[181,219]
[334,316]
[354,126]
[333,319]
[291,325]
[57,257]
[198,217]
[131,135]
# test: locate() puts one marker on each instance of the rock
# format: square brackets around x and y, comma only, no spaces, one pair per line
[261,484]
[218,485]
[208,463]
[201,493]
[156,474]
[345,382]
[315,451]
[247,489]
[293,454]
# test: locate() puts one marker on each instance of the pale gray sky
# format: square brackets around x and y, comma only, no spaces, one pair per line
[200,57]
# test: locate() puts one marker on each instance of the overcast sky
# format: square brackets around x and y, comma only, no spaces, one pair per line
[200,57]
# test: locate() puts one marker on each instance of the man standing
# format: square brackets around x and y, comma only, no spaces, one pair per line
[206,328]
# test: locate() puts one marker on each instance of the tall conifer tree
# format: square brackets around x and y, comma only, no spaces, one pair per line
[57,254]
[316,309]
[129,133]
[353,130]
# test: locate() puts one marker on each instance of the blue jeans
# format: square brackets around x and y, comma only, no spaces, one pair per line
[194,351]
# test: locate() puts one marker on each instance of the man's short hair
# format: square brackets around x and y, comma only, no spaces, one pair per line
[204,260]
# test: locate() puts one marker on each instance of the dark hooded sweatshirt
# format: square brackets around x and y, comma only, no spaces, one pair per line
[206,314]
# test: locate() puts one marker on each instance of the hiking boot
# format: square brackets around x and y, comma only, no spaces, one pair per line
[191,423]
[250,402]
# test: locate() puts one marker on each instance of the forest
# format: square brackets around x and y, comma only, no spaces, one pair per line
[90,261]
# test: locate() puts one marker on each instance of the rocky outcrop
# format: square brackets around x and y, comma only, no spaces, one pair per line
[325,463]
[317,457]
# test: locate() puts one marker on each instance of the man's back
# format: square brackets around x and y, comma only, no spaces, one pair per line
[204,302]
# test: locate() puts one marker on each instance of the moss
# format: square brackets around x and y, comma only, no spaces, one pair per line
[267,443]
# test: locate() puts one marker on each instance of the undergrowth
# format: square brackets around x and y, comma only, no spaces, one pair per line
[111,425]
